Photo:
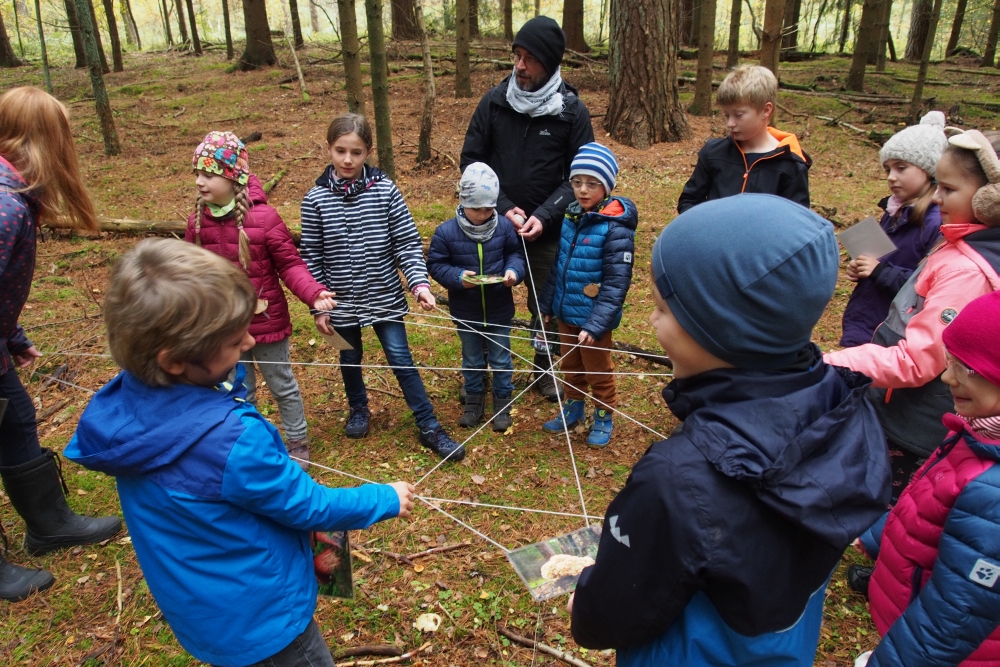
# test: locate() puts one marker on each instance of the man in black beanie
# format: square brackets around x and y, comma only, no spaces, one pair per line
[528,129]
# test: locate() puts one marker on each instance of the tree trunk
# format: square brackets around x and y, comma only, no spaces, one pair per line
[181,22]
[448,15]
[259,51]
[473,19]
[820,15]
[695,30]
[41,42]
[572,25]
[116,44]
[733,55]
[166,22]
[74,29]
[17,27]
[600,24]
[956,27]
[313,17]
[404,20]
[845,25]
[990,52]
[790,25]
[920,20]
[770,45]
[380,87]
[228,29]
[508,20]
[131,29]
[97,37]
[293,7]
[196,42]
[867,34]
[684,24]
[351,47]
[925,59]
[7,56]
[427,116]
[643,106]
[463,75]
[882,39]
[88,35]
[702,104]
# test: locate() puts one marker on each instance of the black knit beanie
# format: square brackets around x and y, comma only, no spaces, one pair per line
[543,38]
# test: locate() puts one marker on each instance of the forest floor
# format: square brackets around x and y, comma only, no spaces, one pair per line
[164,104]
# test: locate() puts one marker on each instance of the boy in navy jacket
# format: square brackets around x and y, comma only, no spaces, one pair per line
[719,548]
[478,242]
[219,514]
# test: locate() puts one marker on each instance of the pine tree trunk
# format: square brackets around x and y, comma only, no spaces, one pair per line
[293,8]
[166,22]
[702,104]
[351,48]
[956,27]
[695,30]
[845,25]
[97,37]
[733,55]
[41,42]
[130,27]
[74,28]
[919,25]
[473,19]
[88,35]
[770,45]
[508,19]
[463,75]
[448,14]
[882,39]
[129,38]
[643,105]
[685,22]
[867,34]
[182,22]
[572,25]
[990,52]
[116,44]
[404,20]
[313,17]
[427,115]
[196,42]
[925,59]
[259,51]
[7,56]
[790,25]
[17,26]
[228,28]
[380,87]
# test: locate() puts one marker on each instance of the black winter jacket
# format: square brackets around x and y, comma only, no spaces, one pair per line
[531,156]
[452,253]
[722,167]
[752,504]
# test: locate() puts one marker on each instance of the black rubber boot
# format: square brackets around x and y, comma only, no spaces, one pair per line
[37,491]
[858,577]
[17,583]
[546,385]
[501,414]
[475,410]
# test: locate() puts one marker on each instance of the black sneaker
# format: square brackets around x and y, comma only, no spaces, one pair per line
[438,441]
[858,577]
[357,423]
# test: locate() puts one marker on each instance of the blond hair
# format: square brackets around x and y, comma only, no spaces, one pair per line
[166,294]
[35,137]
[748,84]
[239,217]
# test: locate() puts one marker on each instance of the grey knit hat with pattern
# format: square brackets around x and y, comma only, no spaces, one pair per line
[920,145]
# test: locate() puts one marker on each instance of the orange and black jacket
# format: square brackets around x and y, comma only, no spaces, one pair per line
[723,170]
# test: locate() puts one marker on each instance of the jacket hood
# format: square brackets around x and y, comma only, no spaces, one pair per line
[120,441]
[11,180]
[803,438]
[618,209]
[953,233]
[369,176]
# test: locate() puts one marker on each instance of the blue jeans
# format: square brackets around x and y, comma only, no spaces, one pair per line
[307,650]
[392,335]
[478,350]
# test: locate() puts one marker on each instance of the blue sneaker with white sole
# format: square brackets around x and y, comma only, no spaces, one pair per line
[600,432]
[570,416]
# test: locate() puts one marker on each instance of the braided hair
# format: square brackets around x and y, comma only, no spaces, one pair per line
[239,216]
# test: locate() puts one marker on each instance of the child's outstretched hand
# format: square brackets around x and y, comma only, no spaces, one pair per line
[585,338]
[465,283]
[426,299]
[509,278]
[405,492]
[865,266]
[323,323]
[325,301]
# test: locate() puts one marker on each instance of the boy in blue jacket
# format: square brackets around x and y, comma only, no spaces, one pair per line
[586,288]
[218,513]
[719,548]
[479,242]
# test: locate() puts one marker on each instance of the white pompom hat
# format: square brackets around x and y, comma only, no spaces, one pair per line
[920,145]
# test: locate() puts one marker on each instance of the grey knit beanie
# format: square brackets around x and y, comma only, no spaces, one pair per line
[920,145]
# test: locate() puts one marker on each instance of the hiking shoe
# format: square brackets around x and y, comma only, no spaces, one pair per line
[438,441]
[570,415]
[858,577]
[546,384]
[357,423]
[501,413]
[600,432]
[300,450]
[475,410]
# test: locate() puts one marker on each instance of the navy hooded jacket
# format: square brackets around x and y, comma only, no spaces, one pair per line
[718,549]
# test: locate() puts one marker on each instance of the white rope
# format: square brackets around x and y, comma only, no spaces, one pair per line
[501,507]
[68,384]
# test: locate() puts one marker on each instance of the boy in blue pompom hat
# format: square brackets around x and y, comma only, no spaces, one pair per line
[719,548]
[586,288]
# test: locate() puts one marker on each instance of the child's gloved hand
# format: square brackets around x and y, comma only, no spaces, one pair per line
[323,324]
[509,278]
[405,492]
[865,266]
[585,338]
[465,283]
[325,301]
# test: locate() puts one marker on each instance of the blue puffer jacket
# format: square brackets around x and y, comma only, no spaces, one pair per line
[452,253]
[219,515]
[596,248]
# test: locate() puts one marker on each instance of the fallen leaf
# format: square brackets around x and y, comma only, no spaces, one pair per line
[382,607]
[484,595]
[84,579]
[427,623]
[591,473]
[425,539]
[360,556]
[81,492]
[346,637]
[312,341]
[70,640]
[481,653]
[478,479]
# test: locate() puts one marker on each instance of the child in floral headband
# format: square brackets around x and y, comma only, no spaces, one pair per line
[232,219]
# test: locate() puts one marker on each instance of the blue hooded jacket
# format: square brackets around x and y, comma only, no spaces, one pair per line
[218,514]
[718,549]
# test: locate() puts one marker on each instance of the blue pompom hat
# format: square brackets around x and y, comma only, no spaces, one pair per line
[596,160]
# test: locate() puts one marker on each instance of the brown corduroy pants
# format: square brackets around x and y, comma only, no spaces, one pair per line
[585,366]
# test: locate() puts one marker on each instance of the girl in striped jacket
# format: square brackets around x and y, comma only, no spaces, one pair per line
[356,230]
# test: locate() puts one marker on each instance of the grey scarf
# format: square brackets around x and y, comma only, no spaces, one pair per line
[478,233]
[546,101]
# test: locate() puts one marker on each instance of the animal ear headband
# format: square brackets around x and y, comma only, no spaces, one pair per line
[986,201]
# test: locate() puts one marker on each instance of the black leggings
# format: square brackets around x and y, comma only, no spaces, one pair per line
[18,428]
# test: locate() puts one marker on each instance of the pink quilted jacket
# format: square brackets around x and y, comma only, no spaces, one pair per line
[272,255]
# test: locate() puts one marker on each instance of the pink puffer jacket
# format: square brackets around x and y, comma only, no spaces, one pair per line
[272,255]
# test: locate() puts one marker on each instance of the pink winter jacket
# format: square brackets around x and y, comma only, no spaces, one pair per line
[954,274]
[272,255]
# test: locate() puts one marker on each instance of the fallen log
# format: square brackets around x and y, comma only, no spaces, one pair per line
[368,649]
[972,71]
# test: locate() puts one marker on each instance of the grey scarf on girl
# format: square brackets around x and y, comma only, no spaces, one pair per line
[478,233]
[546,101]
